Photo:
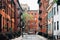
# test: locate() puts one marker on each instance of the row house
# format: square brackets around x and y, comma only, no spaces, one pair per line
[50,17]
[53,18]
[18,13]
[33,24]
[8,15]
[43,4]
[56,19]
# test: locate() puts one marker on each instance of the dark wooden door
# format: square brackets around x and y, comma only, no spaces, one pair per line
[0,22]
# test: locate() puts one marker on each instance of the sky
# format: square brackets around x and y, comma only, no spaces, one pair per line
[31,3]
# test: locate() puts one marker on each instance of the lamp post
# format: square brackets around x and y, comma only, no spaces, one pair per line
[22,28]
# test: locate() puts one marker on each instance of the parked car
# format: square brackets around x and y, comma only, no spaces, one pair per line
[24,33]
[31,32]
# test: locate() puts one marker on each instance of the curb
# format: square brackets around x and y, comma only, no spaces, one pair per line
[41,37]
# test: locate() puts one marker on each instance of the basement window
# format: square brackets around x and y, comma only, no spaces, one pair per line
[57,25]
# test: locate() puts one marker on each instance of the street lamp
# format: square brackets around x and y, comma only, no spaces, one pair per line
[22,27]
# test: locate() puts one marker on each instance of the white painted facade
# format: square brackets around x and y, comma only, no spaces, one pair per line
[56,17]
[55,23]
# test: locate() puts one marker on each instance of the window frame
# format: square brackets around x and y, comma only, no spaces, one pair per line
[57,25]
[54,25]
[54,10]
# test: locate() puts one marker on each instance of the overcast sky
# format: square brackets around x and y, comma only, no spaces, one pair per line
[31,3]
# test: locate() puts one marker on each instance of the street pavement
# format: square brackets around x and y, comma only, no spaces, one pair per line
[19,38]
[30,37]
[33,37]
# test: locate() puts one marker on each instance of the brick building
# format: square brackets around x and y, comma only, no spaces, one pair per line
[33,24]
[8,15]
[18,12]
[43,4]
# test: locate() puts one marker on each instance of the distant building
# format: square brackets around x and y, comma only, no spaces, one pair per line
[43,4]
[25,7]
[33,24]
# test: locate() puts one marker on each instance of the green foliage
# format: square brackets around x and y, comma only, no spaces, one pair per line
[5,27]
[55,1]
[27,17]
[10,28]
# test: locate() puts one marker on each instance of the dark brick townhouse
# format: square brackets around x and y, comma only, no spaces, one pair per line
[9,15]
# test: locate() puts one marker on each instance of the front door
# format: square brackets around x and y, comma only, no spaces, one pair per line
[0,22]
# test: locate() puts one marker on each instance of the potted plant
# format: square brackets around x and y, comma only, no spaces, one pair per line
[10,29]
[5,28]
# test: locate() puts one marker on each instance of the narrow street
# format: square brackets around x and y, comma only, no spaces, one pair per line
[29,19]
[30,37]
[33,37]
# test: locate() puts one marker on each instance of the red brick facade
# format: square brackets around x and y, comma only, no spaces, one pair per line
[43,4]
[33,23]
[8,15]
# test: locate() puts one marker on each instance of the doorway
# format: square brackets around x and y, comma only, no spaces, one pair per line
[0,22]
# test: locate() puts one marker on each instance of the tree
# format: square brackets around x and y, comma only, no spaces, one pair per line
[26,18]
[55,1]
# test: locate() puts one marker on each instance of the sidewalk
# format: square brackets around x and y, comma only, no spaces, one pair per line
[42,38]
[19,38]
[34,37]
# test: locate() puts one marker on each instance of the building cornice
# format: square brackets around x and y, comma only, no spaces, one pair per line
[50,6]
[19,5]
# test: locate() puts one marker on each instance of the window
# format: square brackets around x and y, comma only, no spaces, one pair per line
[13,15]
[57,25]
[50,14]
[54,25]
[25,9]
[3,20]
[35,13]
[7,26]
[46,0]
[54,11]
[49,27]
[9,0]
[57,9]
[32,13]
[0,4]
